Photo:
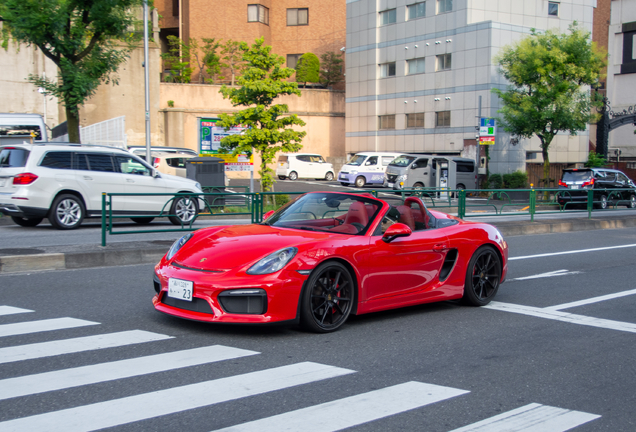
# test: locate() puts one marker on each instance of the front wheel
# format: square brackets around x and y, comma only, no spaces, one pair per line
[329,176]
[482,277]
[67,212]
[293,175]
[360,181]
[184,209]
[632,202]
[26,222]
[282,177]
[327,299]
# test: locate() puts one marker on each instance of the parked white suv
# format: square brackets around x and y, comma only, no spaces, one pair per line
[65,182]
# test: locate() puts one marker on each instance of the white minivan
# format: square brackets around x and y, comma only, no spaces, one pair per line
[17,128]
[303,165]
[366,168]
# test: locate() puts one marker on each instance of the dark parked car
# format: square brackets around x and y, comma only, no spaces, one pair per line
[611,187]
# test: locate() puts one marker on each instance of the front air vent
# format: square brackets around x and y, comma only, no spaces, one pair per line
[244,301]
[449,262]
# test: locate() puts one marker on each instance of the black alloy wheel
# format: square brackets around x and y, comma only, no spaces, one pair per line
[26,222]
[482,277]
[602,202]
[328,298]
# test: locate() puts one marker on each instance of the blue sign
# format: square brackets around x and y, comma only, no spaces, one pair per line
[487,122]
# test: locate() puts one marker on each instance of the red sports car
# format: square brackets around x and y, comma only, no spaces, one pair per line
[327,255]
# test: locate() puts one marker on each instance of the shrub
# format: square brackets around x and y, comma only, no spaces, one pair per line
[516,180]
[495,181]
[308,69]
[281,200]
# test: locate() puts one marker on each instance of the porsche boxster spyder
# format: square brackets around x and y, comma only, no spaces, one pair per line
[325,256]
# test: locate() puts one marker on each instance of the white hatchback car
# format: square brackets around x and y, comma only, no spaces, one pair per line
[65,182]
[303,165]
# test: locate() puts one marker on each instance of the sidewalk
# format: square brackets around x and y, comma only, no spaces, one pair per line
[24,260]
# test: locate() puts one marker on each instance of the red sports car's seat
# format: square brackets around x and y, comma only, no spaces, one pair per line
[419,213]
[406,216]
[357,214]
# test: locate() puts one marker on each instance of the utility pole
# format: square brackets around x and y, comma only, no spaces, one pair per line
[146,83]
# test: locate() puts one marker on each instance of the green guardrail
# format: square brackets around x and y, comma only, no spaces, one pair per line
[462,202]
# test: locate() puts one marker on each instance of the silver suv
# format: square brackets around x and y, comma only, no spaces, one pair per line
[65,183]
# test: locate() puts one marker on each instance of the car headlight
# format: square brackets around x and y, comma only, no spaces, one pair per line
[273,262]
[354,171]
[400,178]
[198,186]
[177,245]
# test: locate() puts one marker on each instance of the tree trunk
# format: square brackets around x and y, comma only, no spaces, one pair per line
[73,126]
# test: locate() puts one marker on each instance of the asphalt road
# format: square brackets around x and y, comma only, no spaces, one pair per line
[533,351]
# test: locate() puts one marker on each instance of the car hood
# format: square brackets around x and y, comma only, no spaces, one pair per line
[239,245]
[183,182]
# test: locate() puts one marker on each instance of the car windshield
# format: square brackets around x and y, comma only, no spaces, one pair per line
[357,160]
[577,176]
[328,212]
[402,161]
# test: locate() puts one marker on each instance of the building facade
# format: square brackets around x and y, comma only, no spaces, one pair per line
[420,73]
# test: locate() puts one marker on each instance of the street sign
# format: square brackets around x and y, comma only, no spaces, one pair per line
[487,140]
[488,127]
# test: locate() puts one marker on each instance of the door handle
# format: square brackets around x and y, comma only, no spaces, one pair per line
[440,247]
[88,178]
[130,180]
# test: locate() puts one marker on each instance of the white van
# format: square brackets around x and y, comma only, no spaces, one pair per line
[366,168]
[303,165]
[18,128]
[415,171]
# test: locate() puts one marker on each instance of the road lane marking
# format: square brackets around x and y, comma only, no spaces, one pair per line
[352,411]
[42,326]
[545,275]
[10,310]
[562,316]
[79,376]
[532,417]
[591,300]
[159,403]
[571,252]
[75,345]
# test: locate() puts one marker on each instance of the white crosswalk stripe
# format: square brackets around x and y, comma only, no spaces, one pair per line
[75,345]
[149,405]
[10,310]
[360,409]
[531,418]
[74,377]
[42,326]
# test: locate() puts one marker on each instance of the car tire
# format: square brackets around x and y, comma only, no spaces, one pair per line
[26,222]
[602,204]
[142,220]
[293,176]
[483,276]
[67,212]
[458,187]
[344,184]
[632,202]
[282,177]
[360,181]
[328,298]
[329,176]
[184,210]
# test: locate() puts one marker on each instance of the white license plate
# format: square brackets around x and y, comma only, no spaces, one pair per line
[2,181]
[180,289]
[391,184]
[575,186]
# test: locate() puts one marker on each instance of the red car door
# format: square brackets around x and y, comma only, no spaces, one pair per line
[403,266]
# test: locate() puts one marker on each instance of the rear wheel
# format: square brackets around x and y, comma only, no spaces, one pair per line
[360,181]
[632,202]
[329,176]
[602,204]
[26,222]
[282,177]
[482,277]
[67,212]
[142,220]
[293,175]
[184,209]
[328,298]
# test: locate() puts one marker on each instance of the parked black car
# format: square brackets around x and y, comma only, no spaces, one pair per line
[611,187]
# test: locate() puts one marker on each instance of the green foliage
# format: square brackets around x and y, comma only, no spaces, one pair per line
[87,41]
[331,70]
[171,103]
[308,68]
[269,125]
[232,59]
[515,180]
[495,181]
[549,74]
[594,160]
[177,59]
[211,60]
[281,200]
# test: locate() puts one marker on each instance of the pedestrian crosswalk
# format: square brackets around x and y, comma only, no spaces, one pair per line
[358,409]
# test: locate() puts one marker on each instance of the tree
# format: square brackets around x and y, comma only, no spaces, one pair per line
[550,75]
[268,125]
[308,69]
[87,40]
[232,58]
[211,60]
[177,59]
[331,70]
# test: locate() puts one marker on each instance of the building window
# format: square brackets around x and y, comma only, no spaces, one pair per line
[292,60]
[416,10]
[257,13]
[443,62]
[629,48]
[175,7]
[386,121]
[297,17]
[387,70]
[553,8]
[415,120]
[415,66]
[388,17]
[444,6]
[442,119]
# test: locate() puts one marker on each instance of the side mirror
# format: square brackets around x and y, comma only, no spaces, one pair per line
[155,173]
[396,230]
[413,166]
[268,214]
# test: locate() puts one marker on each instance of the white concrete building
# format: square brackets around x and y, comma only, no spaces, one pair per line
[416,71]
